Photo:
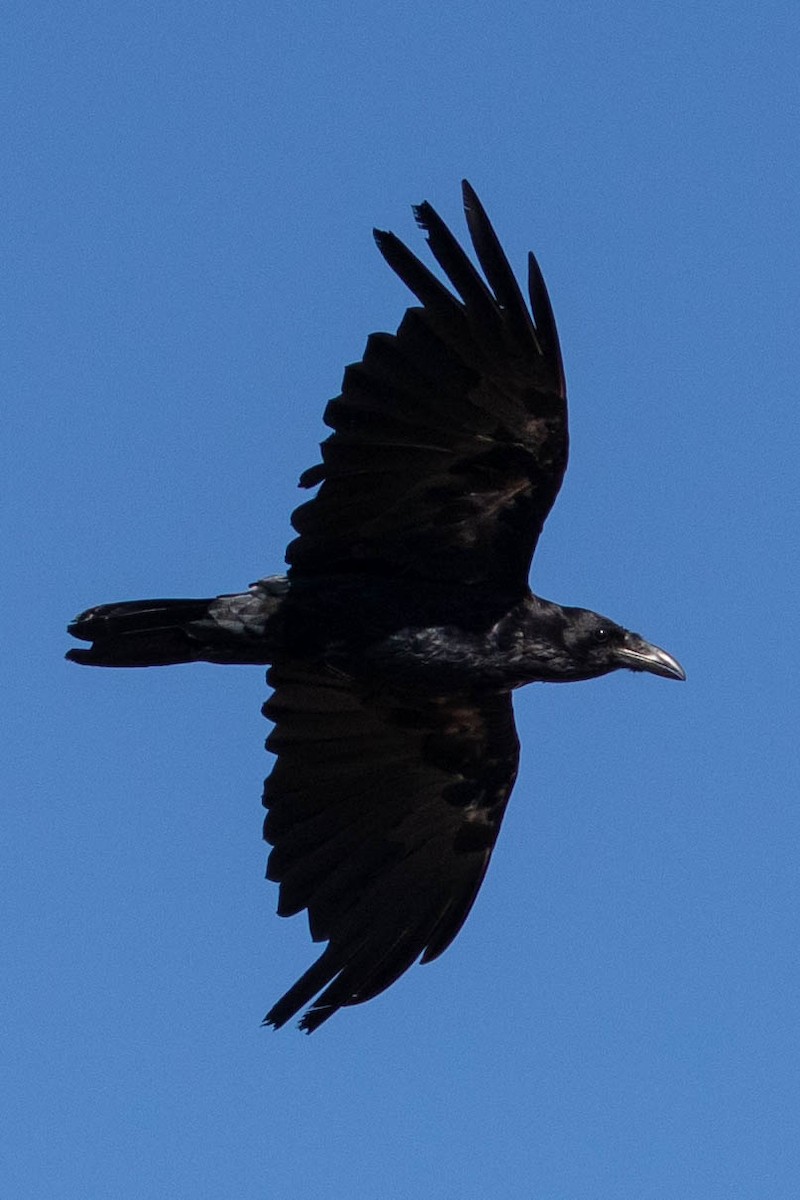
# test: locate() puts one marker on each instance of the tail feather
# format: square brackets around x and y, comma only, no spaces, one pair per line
[237,628]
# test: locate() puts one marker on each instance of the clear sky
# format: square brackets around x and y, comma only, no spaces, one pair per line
[188,265]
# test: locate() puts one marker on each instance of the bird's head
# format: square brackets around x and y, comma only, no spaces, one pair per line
[597,645]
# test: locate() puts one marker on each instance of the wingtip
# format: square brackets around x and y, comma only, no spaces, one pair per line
[546,328]
[275,1019]
[473,205]
[310,1020]
[469,195]
[422,215]
[315,1016]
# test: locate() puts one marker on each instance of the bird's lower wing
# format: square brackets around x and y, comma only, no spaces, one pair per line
[383,814]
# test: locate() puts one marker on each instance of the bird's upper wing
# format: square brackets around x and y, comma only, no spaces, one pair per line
[383,814]
[450,437]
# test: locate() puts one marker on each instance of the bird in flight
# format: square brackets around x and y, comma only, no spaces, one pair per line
[405,621]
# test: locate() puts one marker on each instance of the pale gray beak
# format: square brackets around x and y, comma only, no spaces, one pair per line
[639,655]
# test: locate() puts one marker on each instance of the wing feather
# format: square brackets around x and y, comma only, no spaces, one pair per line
[449,438]
[382,812]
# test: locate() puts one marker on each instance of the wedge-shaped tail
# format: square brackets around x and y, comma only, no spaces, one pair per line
[236,628]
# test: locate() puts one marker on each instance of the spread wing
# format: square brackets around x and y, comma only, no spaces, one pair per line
[383,814]
[450,437]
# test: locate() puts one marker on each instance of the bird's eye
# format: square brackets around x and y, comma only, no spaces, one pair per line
[601,634]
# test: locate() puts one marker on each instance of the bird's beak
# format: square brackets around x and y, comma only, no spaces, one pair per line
[639,655]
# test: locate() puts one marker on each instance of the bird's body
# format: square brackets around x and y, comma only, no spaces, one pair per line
[404,623]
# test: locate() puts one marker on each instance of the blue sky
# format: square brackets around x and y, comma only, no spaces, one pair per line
[188,267]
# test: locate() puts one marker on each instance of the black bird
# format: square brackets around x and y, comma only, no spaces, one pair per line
[405,621]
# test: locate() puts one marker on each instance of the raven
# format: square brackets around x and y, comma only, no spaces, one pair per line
[405,621]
